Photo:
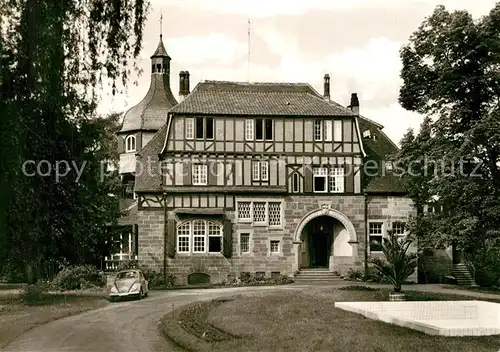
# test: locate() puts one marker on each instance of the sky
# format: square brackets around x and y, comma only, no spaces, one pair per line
[356,42]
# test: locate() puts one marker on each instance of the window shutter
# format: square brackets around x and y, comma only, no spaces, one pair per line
[188,180]
[212,173]
[349,178]
[135,240]
[228,238]
[171,237]
[308,178]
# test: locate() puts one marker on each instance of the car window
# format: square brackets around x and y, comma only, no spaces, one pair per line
[127,275]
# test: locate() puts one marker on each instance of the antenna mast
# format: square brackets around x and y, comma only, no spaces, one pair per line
[248,74]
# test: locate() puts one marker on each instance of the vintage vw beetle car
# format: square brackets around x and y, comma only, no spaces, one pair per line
[129,283]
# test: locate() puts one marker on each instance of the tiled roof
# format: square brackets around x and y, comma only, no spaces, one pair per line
[388,183]
[380,148]
[271,99]
[160,50]
[129,216]
[151,112]
[148,156]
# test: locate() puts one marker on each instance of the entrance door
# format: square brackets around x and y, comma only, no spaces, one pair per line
[319,248]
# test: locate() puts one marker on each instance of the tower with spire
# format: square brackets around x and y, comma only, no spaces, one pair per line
[143,120]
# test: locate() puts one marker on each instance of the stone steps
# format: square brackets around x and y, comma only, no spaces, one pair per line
[462,274]
[317,276]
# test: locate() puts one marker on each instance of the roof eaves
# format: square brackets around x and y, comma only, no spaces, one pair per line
[360,138]
[167,133]
[371,121]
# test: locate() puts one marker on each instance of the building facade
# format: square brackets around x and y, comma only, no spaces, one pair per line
[264,178]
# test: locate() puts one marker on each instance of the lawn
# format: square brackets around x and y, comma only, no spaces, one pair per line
[18,317]
[308,321]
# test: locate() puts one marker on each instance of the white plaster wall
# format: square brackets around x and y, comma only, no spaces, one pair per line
[341,247]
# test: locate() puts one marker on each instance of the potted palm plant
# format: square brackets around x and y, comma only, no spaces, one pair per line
[397,265]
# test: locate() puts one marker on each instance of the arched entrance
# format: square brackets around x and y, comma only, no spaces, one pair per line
[324,238]
[317,239]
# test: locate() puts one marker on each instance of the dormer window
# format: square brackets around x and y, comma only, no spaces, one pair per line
[130,144]
[367,134]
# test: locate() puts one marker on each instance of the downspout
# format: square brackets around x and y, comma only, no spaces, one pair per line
[165,236]
[366,235]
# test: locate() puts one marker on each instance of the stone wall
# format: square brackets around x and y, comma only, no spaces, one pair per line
[260,260]
[390,209]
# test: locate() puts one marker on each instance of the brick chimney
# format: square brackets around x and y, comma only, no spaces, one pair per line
[354,103]
[183,85]
[326,87]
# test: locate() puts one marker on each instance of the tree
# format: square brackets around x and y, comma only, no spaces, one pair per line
[451,74]
[54,56]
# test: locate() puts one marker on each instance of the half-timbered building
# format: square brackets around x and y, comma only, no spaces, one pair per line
[262,177]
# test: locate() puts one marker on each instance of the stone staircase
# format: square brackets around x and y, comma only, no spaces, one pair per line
[317,276]
[463,275]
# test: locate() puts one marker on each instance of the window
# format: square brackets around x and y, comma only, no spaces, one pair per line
[275,246]
[323,130]
[328,180]
[328,130]
[249,129]
[209,128]
[198,236]
[260,171]
[318,130]
[264,171]
[274,210]
[263,129]
[189,128]
[259,212]
[244,211]
[130,144]
[244,243]
[295,183]
[204,128]
[337,130]
[337,180]
[205,236]
[199,127]
[183,237]
[366,134]
[388,165]
[398,229]
[376,236]
[320,175]
[214,238]
[125,250]
[200,174]
[256,171]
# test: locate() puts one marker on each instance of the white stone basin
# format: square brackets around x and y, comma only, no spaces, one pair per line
[447,318]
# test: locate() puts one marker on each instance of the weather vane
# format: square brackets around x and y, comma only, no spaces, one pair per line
[161,23]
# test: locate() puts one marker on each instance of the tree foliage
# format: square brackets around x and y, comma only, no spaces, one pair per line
[398,264]
[54,57]
[451,74]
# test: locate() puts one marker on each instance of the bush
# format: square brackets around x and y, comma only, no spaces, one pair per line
[157,281]
[11,272]
[486,266]
[34,294]
[79,277]
[128,264]
[253,279]
[354,275]
[358,288]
